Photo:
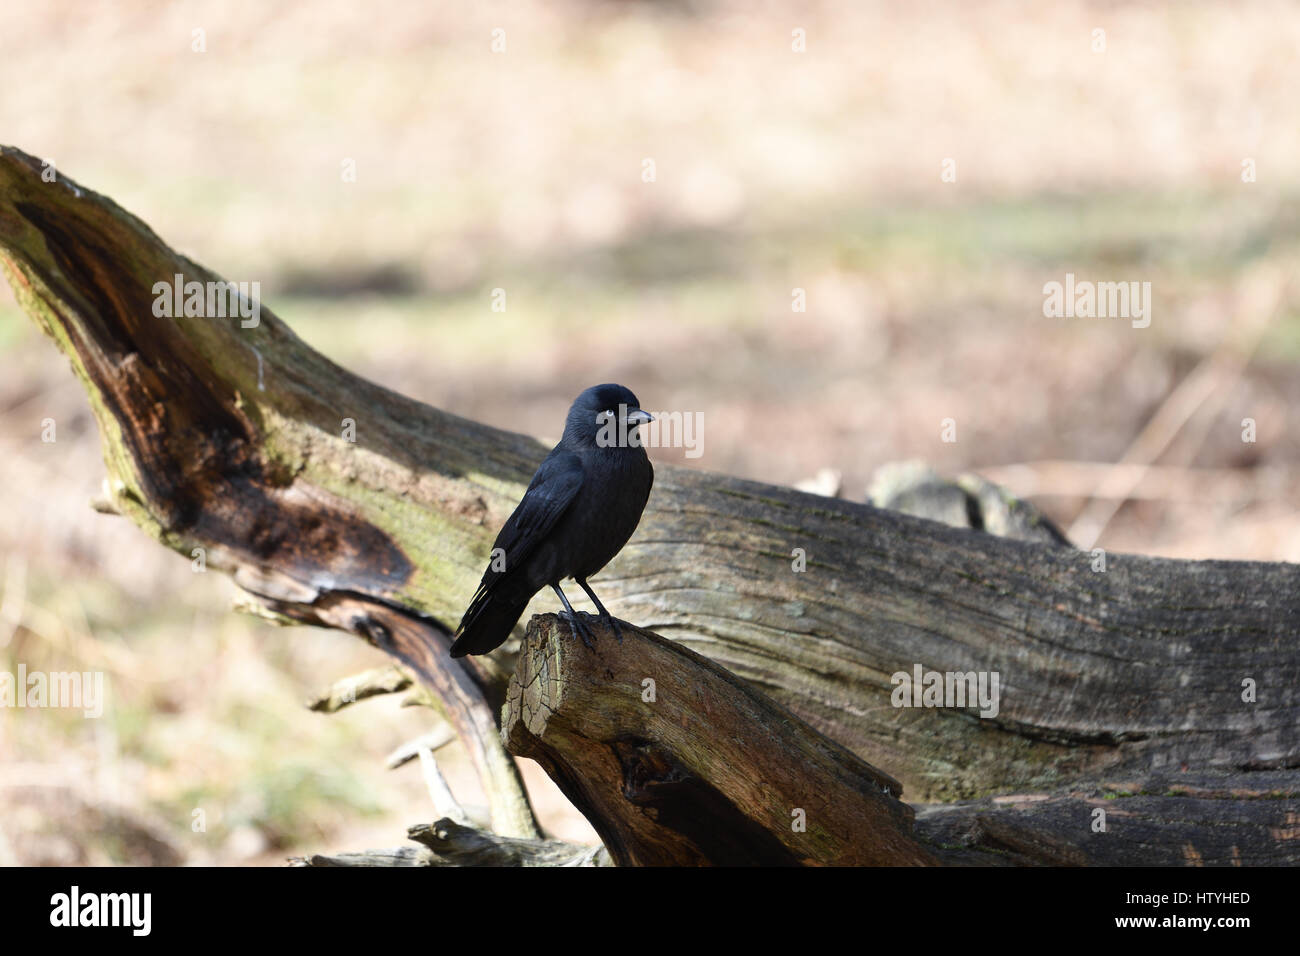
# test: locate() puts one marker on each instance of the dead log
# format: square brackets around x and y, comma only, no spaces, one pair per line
[677,762]
[448,843]
[1171,818]
[234,440]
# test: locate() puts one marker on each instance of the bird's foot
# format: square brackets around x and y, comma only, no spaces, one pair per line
[579,628]
[612,623]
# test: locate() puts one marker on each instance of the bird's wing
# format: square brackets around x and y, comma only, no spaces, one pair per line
[549,495]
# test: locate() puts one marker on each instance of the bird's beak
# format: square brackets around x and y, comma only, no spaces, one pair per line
[637,417]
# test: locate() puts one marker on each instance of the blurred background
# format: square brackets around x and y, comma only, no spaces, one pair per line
[1125,154]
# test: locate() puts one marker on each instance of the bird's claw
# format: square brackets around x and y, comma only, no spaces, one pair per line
[612,623]
[579,628]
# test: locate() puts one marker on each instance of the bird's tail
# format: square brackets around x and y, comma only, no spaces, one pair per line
[487,624]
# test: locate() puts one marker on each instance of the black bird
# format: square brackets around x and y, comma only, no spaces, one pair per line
[578,512]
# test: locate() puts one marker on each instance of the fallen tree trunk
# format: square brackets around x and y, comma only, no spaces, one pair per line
[235,440]
[1170,818]
[691,766]
[677,762]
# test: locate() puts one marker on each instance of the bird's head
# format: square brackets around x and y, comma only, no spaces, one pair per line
[606,415]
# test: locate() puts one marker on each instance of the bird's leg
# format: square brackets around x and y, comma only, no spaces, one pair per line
[577,626]
[605,615]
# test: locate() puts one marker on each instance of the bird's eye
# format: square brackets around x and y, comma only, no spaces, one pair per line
[608,413]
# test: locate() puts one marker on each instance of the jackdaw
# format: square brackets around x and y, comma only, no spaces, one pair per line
[582,505]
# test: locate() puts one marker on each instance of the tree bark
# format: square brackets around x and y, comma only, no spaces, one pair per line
[232,440]
[677,762]
[1172,818]
[447,843]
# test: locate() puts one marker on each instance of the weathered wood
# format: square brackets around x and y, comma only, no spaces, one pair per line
[455,845]
[1166,819]
[447,843]
[359,687]
[677,762]
[230,439]
[424,646]
[967,501]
